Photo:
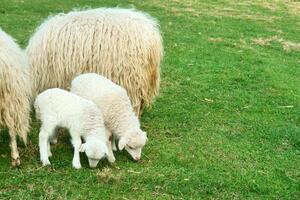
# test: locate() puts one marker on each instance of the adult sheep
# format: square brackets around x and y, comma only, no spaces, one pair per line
[123,45]
[15,93]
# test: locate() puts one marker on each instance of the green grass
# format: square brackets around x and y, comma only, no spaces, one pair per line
[226,124]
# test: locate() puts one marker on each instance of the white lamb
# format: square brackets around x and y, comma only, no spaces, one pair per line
[117,110]
[60,108]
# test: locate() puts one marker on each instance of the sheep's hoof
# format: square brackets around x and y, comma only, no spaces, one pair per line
[15,162]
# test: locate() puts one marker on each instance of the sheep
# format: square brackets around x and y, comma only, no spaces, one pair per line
[116,108]
[15,93]
[123,45]
[59,108]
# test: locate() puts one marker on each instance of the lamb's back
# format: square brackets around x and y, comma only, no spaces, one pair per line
[60,102]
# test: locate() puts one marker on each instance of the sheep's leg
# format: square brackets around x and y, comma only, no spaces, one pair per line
[138,108]
[14,149]
[141,109]
[76,159]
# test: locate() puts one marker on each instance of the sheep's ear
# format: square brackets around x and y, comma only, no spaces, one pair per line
[82,148]
[122,143]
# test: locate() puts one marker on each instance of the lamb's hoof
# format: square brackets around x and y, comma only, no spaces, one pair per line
[77,166]
[114,148]
[112,160]
[53,141]
[15,162]
[46,162]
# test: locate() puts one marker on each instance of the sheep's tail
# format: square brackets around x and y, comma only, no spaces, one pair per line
[155,58]
[17,119]
[24,119]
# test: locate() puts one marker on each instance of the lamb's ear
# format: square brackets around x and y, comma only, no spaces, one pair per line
[145,136]
[82,147]
[105,150]
[122,143]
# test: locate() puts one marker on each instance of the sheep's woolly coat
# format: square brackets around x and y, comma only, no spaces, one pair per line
[122,44]
[15,90]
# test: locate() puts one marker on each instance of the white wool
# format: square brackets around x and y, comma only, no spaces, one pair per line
[123,45]
[115,106]
[15,92]
[60,108]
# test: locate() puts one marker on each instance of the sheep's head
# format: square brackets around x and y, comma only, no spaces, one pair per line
[94,150]
[133,141]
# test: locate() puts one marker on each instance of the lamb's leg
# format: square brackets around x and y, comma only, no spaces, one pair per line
[49,149]
[53,139]
[46,132]
[43,144]
[114,146]
[111,158]
[76,159]
[14,149]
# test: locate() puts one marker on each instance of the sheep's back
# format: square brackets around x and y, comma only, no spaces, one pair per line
[117,43]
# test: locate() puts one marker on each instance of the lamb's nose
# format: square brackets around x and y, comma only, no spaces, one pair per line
[137,158]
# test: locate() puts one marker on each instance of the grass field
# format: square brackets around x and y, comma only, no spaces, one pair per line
[226,124]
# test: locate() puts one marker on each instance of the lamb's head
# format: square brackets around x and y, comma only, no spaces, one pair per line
[95,151]
[133,141]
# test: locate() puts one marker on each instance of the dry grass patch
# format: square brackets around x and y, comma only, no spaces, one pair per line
[232,9]
[265,41]
[286,44]
[106,175]
[218,39]
[290,46]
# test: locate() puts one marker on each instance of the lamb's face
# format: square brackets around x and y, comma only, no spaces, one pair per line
[95,151]
[133,142]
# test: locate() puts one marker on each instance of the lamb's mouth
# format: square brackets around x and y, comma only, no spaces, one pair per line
[93,162]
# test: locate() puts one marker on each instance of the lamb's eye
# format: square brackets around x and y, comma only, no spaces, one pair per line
[130,147]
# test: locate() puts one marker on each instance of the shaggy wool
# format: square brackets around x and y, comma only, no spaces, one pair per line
[123,45]
[15,90]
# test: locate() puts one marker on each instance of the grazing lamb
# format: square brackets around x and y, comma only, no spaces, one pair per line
[59,108]
[123,45]
[116,108]
[15,93]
